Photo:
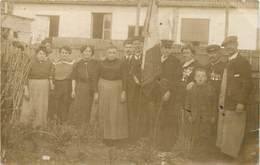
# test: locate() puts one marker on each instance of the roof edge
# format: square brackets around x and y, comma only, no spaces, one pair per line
[166,3]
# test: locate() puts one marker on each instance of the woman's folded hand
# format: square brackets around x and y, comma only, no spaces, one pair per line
[123,96]
[96,97]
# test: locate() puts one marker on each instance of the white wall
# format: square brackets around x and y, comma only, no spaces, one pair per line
[75,21]
[243,23]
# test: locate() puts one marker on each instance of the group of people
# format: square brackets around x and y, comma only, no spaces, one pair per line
[186,100]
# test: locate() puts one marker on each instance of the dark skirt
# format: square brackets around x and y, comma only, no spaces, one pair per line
[80,109]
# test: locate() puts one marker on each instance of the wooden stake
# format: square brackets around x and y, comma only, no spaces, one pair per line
[226,18]
[137,24]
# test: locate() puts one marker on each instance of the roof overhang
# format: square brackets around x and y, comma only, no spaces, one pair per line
[162,3]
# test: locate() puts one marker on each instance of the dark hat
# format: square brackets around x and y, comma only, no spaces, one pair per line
[138,38]
[166,43]
[67,48]
[229,39]
[212,48]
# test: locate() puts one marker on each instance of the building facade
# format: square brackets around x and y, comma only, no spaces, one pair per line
[181,21]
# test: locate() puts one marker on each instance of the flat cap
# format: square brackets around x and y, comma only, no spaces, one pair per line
[167,43]
[212,48]
[229,39]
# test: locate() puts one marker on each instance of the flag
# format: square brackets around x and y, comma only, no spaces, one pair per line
[151,66]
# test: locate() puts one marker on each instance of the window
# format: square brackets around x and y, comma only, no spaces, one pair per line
[131,31]
[102,23]
[195,30]
[54,26]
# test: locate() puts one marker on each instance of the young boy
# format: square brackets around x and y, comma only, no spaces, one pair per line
[200,107]
[63,83]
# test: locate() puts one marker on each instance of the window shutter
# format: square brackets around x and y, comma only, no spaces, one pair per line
[195,30]
[107,24]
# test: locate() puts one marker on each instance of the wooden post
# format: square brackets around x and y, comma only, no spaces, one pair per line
[258,29]
[138,10]
[226,18]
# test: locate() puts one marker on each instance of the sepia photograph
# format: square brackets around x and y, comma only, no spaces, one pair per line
[130,82]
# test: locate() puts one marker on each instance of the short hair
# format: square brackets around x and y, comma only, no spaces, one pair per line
[41,48]
[201,69]
[190,47]
[84,47]
[67,48]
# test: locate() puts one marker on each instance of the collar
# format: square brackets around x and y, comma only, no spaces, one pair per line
[137,57]
[216,62]
[187,63]
[128,57]
[163,58]
[233,56]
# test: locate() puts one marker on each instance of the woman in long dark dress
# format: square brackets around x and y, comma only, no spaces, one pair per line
[185,80]
[112,98]
[84,87]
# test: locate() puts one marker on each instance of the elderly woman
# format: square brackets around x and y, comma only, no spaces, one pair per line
[184,81]
[84,86]
[112,98]
[36,92]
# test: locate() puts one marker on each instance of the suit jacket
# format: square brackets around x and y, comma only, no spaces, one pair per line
[239,82]
[135,68]
[215,74]
[169,73]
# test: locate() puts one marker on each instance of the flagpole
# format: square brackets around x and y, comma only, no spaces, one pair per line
[226,18]
[138,10]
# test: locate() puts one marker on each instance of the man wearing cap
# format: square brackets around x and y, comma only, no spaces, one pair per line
[216,66]
[215,70]
[234,93]
[169,65]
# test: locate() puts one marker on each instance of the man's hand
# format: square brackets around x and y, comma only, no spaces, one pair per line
[73,94]
[190,85]
[240,108]
[166,96]
[123,96]
[52,86]
[136,80]
[96,97]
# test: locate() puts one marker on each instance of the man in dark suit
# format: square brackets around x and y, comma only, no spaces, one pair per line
[134,87]
[234,93]
[169,66]
[215,68]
